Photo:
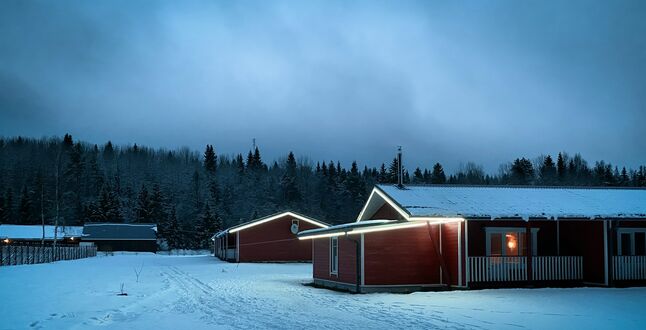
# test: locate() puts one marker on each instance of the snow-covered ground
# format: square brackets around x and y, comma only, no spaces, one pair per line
[200,292]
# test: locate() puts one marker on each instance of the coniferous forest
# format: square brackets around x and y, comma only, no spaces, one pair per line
[191,194]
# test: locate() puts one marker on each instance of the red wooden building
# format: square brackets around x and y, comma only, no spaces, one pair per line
[267,239]
[423,237]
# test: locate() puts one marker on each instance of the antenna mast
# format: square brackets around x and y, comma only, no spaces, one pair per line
[400,168]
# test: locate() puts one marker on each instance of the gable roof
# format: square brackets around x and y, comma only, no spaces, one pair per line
[35,232]
[507,202]
[268,218]
[120,231]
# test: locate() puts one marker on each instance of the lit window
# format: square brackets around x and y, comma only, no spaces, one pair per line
[495,243]
[509,241]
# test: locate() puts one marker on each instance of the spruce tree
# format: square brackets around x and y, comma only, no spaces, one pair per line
[393,171]
[548,171]
[522,172]
[560,168]
[25,207]
[383,175]
[288,183]
[157,210]
[624,179]
[173,234]
[8,207]
[4,214]
[438,176]
[210,160]
[206,228]
[418,176]
[144,206]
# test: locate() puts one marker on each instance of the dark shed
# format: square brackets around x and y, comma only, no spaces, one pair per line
[139,237]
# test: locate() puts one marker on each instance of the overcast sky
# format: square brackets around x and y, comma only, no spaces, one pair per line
[483,81]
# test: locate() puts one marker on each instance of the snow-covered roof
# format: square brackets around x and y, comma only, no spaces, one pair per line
[513,201]
[346,227]
[35,232]
[268,218]
[120,231]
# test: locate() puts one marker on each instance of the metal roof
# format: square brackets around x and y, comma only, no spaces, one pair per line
[120,231]
[513,201]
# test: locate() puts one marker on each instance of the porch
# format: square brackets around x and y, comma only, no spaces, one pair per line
[524,269]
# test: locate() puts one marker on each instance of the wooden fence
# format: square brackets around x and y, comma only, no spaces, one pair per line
[32,254]
[557,268]
[497,269]
[629,267]
[514,269]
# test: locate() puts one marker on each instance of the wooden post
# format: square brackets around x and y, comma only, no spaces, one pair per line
[439,255]
[528,248]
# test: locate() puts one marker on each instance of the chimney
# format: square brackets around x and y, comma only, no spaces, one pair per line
[400,168]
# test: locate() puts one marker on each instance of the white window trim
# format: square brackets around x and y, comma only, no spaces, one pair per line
[503,230]
[631,232]
[334,263]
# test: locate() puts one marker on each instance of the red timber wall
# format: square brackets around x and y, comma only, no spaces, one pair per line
[386,212]
[585,238]
[411,256]
[347,272]
[273,241]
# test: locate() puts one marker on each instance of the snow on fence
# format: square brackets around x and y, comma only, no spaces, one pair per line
[506,269]
[629,267]
[553,268]
[30,254]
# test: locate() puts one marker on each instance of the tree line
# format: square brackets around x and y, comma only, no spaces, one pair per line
[191,195]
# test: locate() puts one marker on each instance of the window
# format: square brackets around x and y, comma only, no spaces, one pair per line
[631,241]
[509,241]
[334,255]
[495,243]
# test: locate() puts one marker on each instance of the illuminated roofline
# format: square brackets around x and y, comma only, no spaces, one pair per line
[280,215]
[387,199]
[412,224]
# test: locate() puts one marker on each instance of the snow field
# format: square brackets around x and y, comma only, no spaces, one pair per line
[201,292]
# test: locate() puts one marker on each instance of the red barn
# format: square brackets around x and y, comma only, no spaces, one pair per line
[424,237]
[267,239]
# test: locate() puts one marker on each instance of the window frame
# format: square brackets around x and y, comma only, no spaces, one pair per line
[631,232]
[334,261]
[505,230]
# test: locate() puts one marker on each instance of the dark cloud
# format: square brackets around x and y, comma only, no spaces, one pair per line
[452,82]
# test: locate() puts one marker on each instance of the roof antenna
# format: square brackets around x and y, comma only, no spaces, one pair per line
[400,168]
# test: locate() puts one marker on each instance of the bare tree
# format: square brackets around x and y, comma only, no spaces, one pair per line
[42,211]
[57,196]
[138,271]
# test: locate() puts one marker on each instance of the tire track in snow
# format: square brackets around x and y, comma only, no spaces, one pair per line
[225,305]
